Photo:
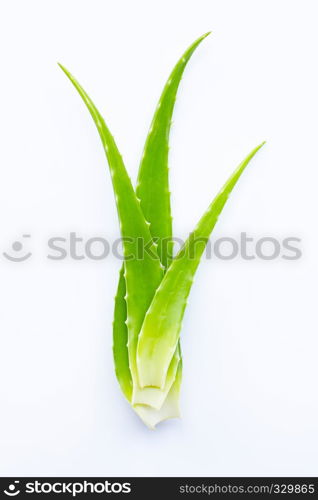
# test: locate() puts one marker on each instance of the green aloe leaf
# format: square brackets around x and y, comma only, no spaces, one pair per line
[142,276]
[153,192]
[161,328]
[120,339]
[153,183]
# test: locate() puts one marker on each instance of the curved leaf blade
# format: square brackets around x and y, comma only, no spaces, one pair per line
[161,328]
[153,183]
[153,192]
[142,276]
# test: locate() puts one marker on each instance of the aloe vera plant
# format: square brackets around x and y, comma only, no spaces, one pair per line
[152,292]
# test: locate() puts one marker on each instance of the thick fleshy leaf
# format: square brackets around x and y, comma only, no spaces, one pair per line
[153,183]
[120,339]
[142,276]
[170,407]
[153,192]
[161,328]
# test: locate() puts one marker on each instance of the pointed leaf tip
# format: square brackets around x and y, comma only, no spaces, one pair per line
[259,146]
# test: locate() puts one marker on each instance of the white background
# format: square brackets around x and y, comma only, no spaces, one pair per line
[250,336]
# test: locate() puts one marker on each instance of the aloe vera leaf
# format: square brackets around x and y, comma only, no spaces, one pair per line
[153,192]
[142,276]
[150,396]
[153,184]
[169,409]
[161,328]
[120,339]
